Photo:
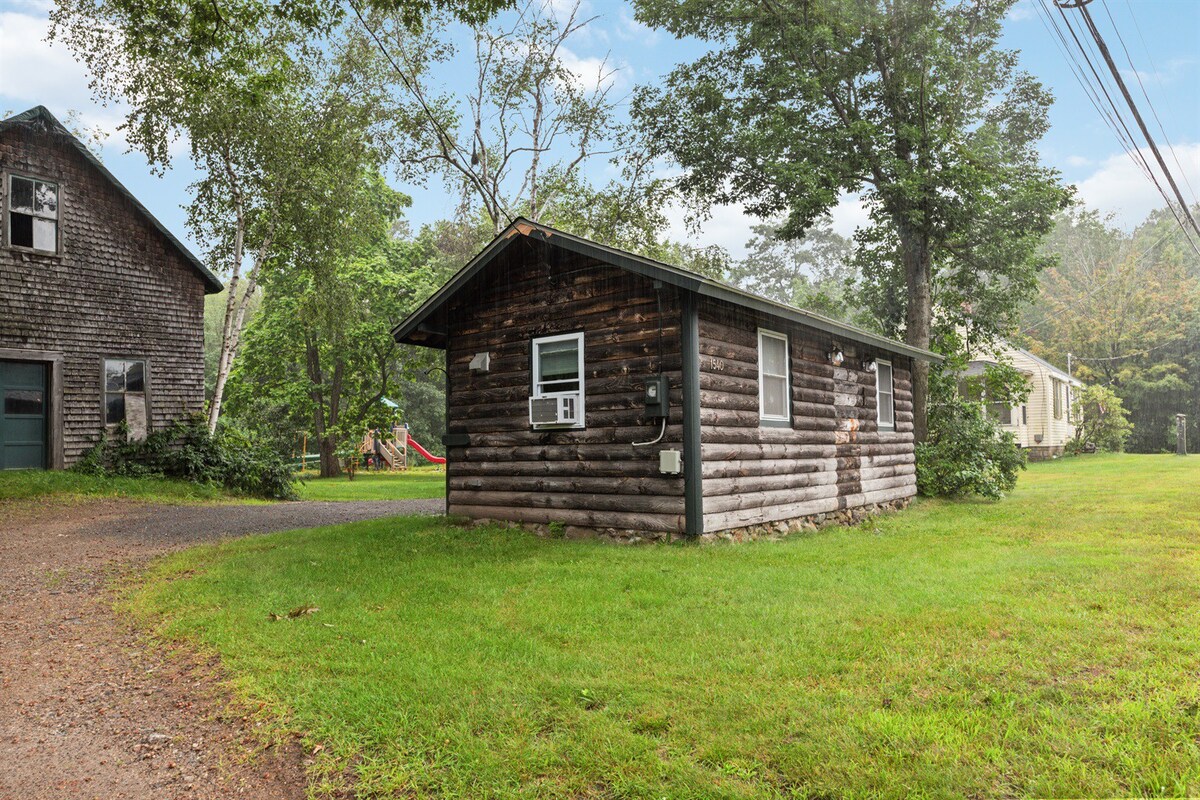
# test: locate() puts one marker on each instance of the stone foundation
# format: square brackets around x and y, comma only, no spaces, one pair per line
[770,530]
[1041,452]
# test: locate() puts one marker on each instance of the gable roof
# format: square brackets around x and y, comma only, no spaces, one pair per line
[656,270]
[976,370]
[1071,379]
[212,284]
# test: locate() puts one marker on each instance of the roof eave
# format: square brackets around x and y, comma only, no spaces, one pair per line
[651,269]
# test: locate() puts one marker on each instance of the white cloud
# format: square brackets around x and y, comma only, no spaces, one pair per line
[729,226]
[593,72]
[1021,11]
[32,70]
[849,215]
[1078,161]
[1119,187]
[35,72]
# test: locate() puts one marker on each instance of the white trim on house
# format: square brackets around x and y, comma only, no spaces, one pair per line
[885,399]
[764,376]
[560,387]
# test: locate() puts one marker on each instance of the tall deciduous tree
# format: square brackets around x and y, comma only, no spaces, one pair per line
[252,89]
[911,103]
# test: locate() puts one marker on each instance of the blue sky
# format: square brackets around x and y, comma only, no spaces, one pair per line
[1162,37]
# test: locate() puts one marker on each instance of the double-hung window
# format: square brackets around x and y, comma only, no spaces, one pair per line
[125,395]
[32,214]
[1057,387]
[558,373]
[885,396]
[774,395]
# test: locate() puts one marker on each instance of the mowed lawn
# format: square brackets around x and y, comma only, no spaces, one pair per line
[412,484]
[1044,645]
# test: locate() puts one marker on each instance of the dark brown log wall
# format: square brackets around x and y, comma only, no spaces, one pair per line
[117,289]
[593,477]
[832,457]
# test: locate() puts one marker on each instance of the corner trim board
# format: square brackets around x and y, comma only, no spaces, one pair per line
[693,481]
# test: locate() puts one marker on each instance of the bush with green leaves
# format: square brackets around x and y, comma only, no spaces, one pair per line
[966,453]
[231,459]
[1102,422]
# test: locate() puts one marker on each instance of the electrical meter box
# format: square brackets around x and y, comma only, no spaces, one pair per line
[658,394]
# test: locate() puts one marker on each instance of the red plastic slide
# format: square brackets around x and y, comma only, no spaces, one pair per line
[430,457]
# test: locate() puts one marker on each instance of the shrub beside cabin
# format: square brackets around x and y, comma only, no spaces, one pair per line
[101,308]
[600,390]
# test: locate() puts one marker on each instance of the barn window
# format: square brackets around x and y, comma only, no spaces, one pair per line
[885,397]
[125,395]
[558,374]
[773,384]
[32,214]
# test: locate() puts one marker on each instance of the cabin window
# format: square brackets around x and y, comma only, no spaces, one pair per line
[125,396]
[885,396]
[774,404]
[32,214]
[558,373]
[1057,387]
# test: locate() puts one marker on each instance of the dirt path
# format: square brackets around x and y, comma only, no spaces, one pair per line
[86,709]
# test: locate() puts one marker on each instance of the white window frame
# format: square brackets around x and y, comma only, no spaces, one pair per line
[537,389]
[890,394]
[763,416]
[56,218]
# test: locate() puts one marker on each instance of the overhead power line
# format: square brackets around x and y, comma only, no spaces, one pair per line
[1090,24]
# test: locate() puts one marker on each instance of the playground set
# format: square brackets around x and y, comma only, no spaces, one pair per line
[394,449]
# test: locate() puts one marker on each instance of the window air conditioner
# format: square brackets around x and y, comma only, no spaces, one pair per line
[561,409]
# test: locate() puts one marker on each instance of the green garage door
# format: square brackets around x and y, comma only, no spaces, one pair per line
[22,415]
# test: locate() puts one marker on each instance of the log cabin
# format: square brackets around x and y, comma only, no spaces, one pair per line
[606,393]
[101,308]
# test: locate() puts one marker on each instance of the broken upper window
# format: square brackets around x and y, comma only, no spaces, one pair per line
[33,214]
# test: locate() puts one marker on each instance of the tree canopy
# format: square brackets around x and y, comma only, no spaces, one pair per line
[912,104]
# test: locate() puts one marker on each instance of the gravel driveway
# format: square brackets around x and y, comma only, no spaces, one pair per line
[87,710]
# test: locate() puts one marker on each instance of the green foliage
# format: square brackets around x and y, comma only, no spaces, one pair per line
[1126,305]
[321,359]
[914,107]
[816,272]
[966,453]
[957,649]
[1101,421]
[230,459]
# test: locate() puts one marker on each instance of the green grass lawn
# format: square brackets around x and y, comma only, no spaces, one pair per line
[1044,645]
[413,484]
[59,486]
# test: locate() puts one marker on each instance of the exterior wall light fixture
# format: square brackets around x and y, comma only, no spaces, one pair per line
[836,358]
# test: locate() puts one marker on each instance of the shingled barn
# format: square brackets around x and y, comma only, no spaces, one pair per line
[101,308]
[611,393]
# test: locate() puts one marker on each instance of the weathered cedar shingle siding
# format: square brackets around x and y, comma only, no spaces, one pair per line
[832,457]
[118,288]
[592,477]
